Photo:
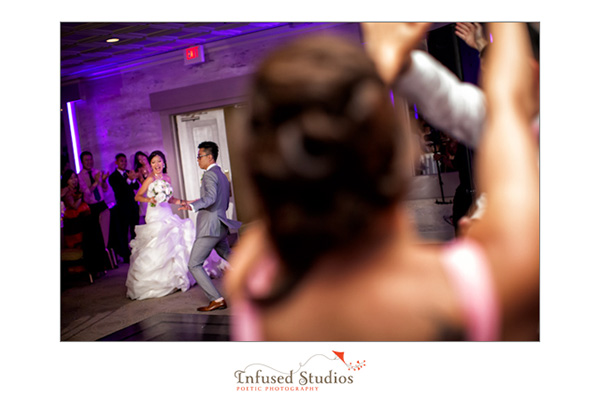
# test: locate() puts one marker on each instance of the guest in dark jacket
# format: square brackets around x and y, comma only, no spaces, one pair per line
[125,214]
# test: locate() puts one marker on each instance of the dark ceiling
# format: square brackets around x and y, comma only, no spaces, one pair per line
[85,52]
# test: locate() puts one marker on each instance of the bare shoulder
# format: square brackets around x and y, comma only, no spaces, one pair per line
[148,181]
[402,297]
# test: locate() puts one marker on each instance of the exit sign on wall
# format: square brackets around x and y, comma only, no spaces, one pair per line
[193,55]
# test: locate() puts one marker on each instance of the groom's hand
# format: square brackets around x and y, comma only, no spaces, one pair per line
[185,205]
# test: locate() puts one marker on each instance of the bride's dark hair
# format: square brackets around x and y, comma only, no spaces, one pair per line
[161,155]
[323,150]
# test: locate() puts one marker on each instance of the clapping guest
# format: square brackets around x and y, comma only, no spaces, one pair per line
[124,184]
[94,186]
[142,167]
[79,226]
[75,209]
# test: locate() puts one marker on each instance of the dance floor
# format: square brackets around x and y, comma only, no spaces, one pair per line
[101,311]
[175,328]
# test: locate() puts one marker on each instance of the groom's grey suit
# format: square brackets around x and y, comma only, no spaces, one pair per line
[212,226]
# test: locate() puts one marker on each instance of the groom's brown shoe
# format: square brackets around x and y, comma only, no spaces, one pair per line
[214,305]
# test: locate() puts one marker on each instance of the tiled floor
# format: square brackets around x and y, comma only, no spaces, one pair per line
[101,311]
[175,327]
[92,312]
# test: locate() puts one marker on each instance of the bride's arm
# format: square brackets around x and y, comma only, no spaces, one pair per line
[139,196]
[173,199]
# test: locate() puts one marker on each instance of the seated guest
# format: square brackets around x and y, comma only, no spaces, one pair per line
[75,209]
[80,230]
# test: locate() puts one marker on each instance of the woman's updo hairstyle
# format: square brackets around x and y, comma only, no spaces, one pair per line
[323,148]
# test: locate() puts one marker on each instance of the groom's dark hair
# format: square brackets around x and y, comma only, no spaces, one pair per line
[211,148]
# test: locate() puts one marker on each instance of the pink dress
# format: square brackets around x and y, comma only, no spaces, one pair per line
[464,262]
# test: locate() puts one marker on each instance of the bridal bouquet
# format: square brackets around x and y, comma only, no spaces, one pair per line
[160,190]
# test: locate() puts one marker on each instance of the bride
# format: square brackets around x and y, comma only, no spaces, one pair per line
[161,248]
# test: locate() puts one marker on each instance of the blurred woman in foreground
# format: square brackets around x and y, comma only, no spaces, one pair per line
[336,256]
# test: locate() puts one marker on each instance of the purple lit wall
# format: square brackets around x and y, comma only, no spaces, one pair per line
[114,114]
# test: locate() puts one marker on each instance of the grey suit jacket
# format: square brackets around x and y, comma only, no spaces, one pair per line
[213,203]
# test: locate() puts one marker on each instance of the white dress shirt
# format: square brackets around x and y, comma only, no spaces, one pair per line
[124,174]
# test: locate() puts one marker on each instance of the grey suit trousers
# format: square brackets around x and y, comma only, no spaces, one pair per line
[203,245]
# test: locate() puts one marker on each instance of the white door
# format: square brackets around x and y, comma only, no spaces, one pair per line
[193,129]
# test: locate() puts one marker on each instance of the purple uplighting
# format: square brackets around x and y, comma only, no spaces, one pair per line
[491,38]
[416,113]
[74,134]
[392,97]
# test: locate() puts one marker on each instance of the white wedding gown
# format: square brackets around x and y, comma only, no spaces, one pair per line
[160,254]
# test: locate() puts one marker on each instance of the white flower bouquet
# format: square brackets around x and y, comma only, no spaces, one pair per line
[160,190]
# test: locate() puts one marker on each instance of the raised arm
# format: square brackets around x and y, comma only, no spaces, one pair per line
[472,34]
[458,108]
[507,171]
[389,44]
[455,107]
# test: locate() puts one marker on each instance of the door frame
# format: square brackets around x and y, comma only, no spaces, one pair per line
[202,96]
[214,117]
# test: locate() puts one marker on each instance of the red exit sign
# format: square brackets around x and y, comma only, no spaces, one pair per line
[194,55]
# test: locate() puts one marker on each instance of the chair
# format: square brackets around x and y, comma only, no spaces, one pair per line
[71,261]
[71,256]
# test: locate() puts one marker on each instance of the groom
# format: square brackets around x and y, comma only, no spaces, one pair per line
[212,225]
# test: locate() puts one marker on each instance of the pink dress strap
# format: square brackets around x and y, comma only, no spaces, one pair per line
[463,260]
[469,272]
[245,322]
[245,318]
